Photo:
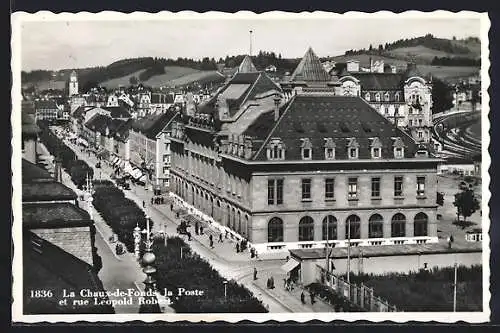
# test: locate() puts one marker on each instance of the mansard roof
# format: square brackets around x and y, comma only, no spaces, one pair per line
[341,118]
[310,69]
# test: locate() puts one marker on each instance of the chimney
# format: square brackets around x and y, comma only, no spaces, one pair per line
[277,100]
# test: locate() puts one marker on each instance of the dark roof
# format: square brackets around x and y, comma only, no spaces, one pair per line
[98,123]
[379,81]
[81,111]
[33,173]
[117,111]
[152,125]
[48,267]
[338,117]
[54,215]
[122,131]
[45,105]
[47,191]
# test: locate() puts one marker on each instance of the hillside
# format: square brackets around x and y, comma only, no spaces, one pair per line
[170,73]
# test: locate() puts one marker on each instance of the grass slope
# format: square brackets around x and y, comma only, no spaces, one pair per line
[424,54]
[121,81]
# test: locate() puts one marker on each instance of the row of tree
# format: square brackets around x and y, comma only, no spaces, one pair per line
[178,267]
[79,170]
[455,61]
[119,212]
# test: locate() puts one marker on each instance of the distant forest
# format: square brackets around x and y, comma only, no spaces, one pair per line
[431,42]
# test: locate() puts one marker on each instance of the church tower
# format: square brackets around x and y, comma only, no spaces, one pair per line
[73,84]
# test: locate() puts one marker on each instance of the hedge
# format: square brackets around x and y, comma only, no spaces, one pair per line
[120,213]
[429,290]
[340,303]
[194,273]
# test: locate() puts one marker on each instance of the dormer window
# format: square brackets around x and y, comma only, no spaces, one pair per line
[377,97]
[276,150]
[376,148]
[386,97]
[329,149]
[352,148]
[367,96]
[396,97]
[306,148]
[398,148]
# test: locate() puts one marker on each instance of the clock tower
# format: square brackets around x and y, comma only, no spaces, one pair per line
[73,84]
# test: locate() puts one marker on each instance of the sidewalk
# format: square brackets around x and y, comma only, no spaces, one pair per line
[289,299]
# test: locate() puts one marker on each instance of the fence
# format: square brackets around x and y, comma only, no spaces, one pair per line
[361,296]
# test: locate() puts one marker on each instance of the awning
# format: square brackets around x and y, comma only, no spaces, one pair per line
[290,264]
[115,160]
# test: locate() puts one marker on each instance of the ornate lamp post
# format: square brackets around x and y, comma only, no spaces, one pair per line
[89,192]
[148,260]
[137,241]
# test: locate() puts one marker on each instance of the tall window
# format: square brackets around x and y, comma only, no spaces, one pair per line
[398,186]
[274,191]
[398,152]
[306,153]
[330,225]
[306,188]
[353,227]
[420,224]
[386,97]
[367,96]
[353,152]
[398,225]
[376,226]
[376,152]
[329,153]
[420,186]
[352,188]
[270,191]
[306,148]
[376,187]
[306,229]
[377,97]
[275,230]
[329,188]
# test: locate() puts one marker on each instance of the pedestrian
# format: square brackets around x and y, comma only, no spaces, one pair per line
[449,242]
[201,230]
[255,273]
[303,298]
[197,228]
[162,200]
[271,282]
[220,238]
[226,234]
[171,207]
[189,235]
[211,241]
[152,200]
[252,253]
[237,247]
[312,297]
[144,203]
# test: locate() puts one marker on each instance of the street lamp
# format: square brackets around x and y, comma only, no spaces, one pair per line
[148,260]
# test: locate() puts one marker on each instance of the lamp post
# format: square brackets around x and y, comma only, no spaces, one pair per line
[90,191]
[148,260]
[348,250]
[225,289]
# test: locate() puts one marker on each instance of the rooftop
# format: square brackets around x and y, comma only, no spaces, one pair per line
[50,104]
[117,111]
[310,69]
[48,267]
[247,66]
[54,215]
[47,191]
[152,125]
[340,118]
[33,173]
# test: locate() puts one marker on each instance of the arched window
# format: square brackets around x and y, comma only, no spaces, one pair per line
[377,97]
[353,227]
[420,224]
[275,230]
[239,222]
[330,224]
[375,226]
[306,229]
[398,225]
[233,219]
[367,96]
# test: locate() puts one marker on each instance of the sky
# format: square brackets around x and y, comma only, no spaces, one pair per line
[55,45]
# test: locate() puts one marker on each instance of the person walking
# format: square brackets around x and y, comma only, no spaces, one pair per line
[255,273]
[303,298]
[197,228]
[211,241]
[312,297]
[237,247]
[152,200]
[271,282]
[201,230]
[144,203]
[220,238]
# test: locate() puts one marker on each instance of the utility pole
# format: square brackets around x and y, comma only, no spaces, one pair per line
[251,42]
[455,289]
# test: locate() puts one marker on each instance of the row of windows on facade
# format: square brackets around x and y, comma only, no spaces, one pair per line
[353,227]
[413,98]
[276,151]
[275,188]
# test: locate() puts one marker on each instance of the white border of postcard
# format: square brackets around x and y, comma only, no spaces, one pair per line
[448,317]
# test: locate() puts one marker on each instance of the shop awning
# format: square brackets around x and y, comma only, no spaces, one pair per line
[115,160]
[290,264]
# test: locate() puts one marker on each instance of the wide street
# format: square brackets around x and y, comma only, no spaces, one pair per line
[223,257]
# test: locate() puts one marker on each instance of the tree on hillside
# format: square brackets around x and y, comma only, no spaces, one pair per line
[133,80]
[442,96]
[466,204]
